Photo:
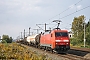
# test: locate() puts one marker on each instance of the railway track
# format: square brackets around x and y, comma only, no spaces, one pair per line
[73,57]
[69,56]
[81,49]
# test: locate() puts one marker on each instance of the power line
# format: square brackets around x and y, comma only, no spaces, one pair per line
[66,9]
[63,12]
[40,27]
[42,24]
[54,25]
[78,2]
[37,30]
[75,12]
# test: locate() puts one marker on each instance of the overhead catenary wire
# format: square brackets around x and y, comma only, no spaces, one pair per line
[75,12]
[40,27]
[66,9]
[63,12]
[54,25]
[70,13]
[67,14]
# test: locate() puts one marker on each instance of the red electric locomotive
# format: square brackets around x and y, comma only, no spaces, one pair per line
[57,40]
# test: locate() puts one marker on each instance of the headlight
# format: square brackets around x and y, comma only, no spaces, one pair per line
[65,40]
[67,43]
[58,40]
[62,41]
[56,43]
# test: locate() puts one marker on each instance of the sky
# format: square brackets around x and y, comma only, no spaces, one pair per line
[17,15]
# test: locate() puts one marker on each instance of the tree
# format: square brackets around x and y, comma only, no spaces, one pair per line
[78,28]
[3,41]
[77,25]
[88,33]
[6,38]
[10,39]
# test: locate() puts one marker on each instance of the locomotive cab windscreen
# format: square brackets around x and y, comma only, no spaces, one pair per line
[61,36]
[58,34]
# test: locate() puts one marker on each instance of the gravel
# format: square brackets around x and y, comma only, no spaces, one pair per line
[55,56]
[48,55]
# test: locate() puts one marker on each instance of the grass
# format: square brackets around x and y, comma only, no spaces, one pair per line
[18,52]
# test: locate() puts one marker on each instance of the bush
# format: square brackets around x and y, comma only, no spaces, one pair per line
[75,41]
[15,51]
[3,41]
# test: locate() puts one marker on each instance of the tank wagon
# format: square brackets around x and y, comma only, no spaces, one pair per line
[56,40]
[31,39]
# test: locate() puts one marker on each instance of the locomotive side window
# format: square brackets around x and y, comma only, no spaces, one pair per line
[61,34]
[51,35]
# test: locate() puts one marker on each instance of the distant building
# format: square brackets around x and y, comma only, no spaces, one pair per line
[70,34]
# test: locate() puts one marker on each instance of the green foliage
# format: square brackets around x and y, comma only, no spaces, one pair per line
[7,38]
[88,33]
[78,31]
[77,25]
[3,41]
[87,46]
[75,41]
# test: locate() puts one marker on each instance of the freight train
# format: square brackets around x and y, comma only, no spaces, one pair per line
[55,40]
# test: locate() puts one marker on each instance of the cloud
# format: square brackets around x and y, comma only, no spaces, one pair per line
[16,15]
[71,6]
[10,29]
[79,7]
[20,6]
[75,7]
